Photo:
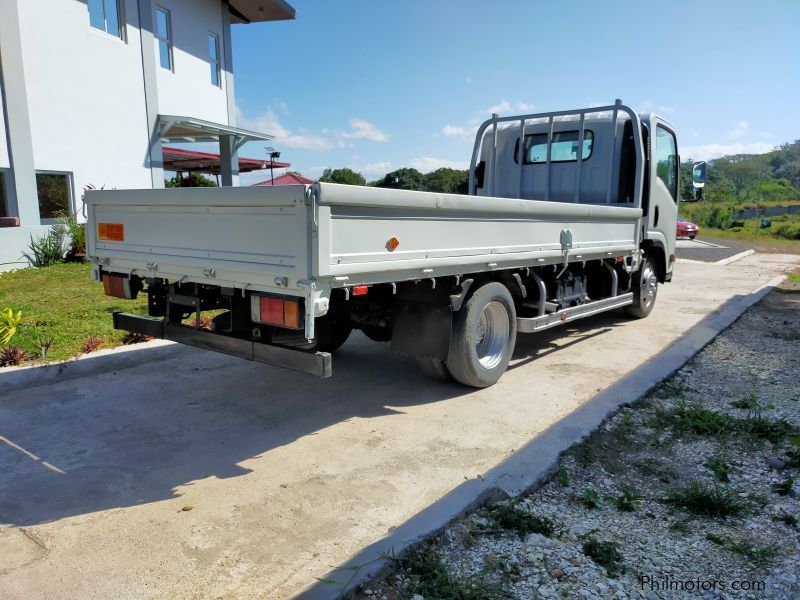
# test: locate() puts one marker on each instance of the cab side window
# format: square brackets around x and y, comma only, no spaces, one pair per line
[667,160]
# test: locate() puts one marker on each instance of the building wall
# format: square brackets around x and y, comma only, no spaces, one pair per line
[188,90]
[86,95]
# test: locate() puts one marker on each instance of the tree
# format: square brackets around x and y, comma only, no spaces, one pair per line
[402,179]
[193,180]
[448,181]
[343,175]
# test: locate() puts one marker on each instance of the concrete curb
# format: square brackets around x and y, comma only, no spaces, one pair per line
[735,257]
[536,461]
[112,359]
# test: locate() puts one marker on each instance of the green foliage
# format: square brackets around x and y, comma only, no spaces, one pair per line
[431,578]
[73,231]
[784,488]
[719,467]
[402,179]
[759,556]
[9,321]
[605,554]
[705,500]
[627,501]
[590,498]
[193,180]
[444,180]
[786,519]
[48,249]
[13,356]
[511,516]
[344,175]
[563,477]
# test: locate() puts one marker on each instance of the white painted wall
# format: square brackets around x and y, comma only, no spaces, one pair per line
[188,90]
[85,95]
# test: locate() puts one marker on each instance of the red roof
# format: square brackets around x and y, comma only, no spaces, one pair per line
[287,179]
[179,159]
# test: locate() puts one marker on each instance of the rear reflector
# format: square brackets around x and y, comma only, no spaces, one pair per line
[111,232]
[360,290]
[281,312]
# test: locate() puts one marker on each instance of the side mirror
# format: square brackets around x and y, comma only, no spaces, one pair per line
[699,174]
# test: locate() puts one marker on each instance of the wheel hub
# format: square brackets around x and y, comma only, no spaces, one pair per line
[492,333]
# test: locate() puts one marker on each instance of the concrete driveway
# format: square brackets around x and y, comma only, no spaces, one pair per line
[197,475]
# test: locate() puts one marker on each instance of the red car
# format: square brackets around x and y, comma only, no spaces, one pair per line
[686,228]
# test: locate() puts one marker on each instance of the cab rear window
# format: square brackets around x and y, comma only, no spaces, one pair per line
[563,149]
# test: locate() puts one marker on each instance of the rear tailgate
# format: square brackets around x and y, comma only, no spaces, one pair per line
[233,235]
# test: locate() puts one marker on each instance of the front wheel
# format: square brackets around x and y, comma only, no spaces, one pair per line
[645,290]
[483,338]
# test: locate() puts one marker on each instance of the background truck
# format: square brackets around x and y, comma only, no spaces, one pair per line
[568,214]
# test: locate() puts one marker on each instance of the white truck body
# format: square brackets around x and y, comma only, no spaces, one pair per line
[308,241]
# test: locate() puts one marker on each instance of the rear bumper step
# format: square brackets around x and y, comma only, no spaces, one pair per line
[313,363]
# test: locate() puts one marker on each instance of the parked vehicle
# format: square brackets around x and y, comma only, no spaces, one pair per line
[568,214]
[686,228]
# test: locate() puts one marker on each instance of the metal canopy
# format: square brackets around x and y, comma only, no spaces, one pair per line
[177,129]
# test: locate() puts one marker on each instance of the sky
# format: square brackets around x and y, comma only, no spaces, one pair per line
[376,85]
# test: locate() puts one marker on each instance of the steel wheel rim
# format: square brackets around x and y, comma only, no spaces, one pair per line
[492,335]
[649,286]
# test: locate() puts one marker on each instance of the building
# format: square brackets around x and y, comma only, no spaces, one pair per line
[286,179]
[91,89]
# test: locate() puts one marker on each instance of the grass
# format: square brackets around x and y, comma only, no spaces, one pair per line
[758,556]
[786,519]
[719,466]
[784,488]
[510,516]
[590,498]
[62,305]
[706,500]
[432,579]
[605,554]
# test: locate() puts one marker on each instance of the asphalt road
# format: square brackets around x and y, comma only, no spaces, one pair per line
[199,475]
[709,249]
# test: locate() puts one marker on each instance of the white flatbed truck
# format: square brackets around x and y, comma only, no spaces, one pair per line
[568,214]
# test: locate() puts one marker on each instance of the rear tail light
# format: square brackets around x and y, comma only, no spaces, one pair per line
[281,312]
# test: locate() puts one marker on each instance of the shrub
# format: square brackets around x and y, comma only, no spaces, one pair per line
[91,344]
[8,324]
[48,249]
[704,500]
[76,232]
[12,356]
[605,554]
[787,231]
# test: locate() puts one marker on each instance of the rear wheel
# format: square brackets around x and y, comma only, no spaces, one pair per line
[435,368]
[484,334]
[645,290]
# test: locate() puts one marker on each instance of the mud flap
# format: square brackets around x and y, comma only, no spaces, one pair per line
[422,329]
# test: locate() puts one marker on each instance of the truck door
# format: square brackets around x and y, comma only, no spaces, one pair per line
[662,218]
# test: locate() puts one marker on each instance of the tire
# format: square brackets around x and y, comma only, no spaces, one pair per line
[645,290]
[691,237]
[483,338]
[435,368]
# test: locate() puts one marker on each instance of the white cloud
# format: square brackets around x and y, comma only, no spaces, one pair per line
[740,130]
[373,169]
[426,164]
[651,106]
[711,151]
[503,106]
[525,107]
[453,130]
[365,130]
[764,135]
[269,123]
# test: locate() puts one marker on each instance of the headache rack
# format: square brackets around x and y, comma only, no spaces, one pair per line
[615,109]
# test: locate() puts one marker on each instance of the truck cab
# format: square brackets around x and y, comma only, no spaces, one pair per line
[617,167]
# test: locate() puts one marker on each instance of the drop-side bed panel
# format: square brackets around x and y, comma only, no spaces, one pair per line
[446,230]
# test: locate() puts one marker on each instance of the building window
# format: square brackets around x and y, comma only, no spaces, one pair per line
[213,59]
[55,194]
[105,15]
[164,37]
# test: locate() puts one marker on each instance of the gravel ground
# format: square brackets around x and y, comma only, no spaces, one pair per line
[688,493]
